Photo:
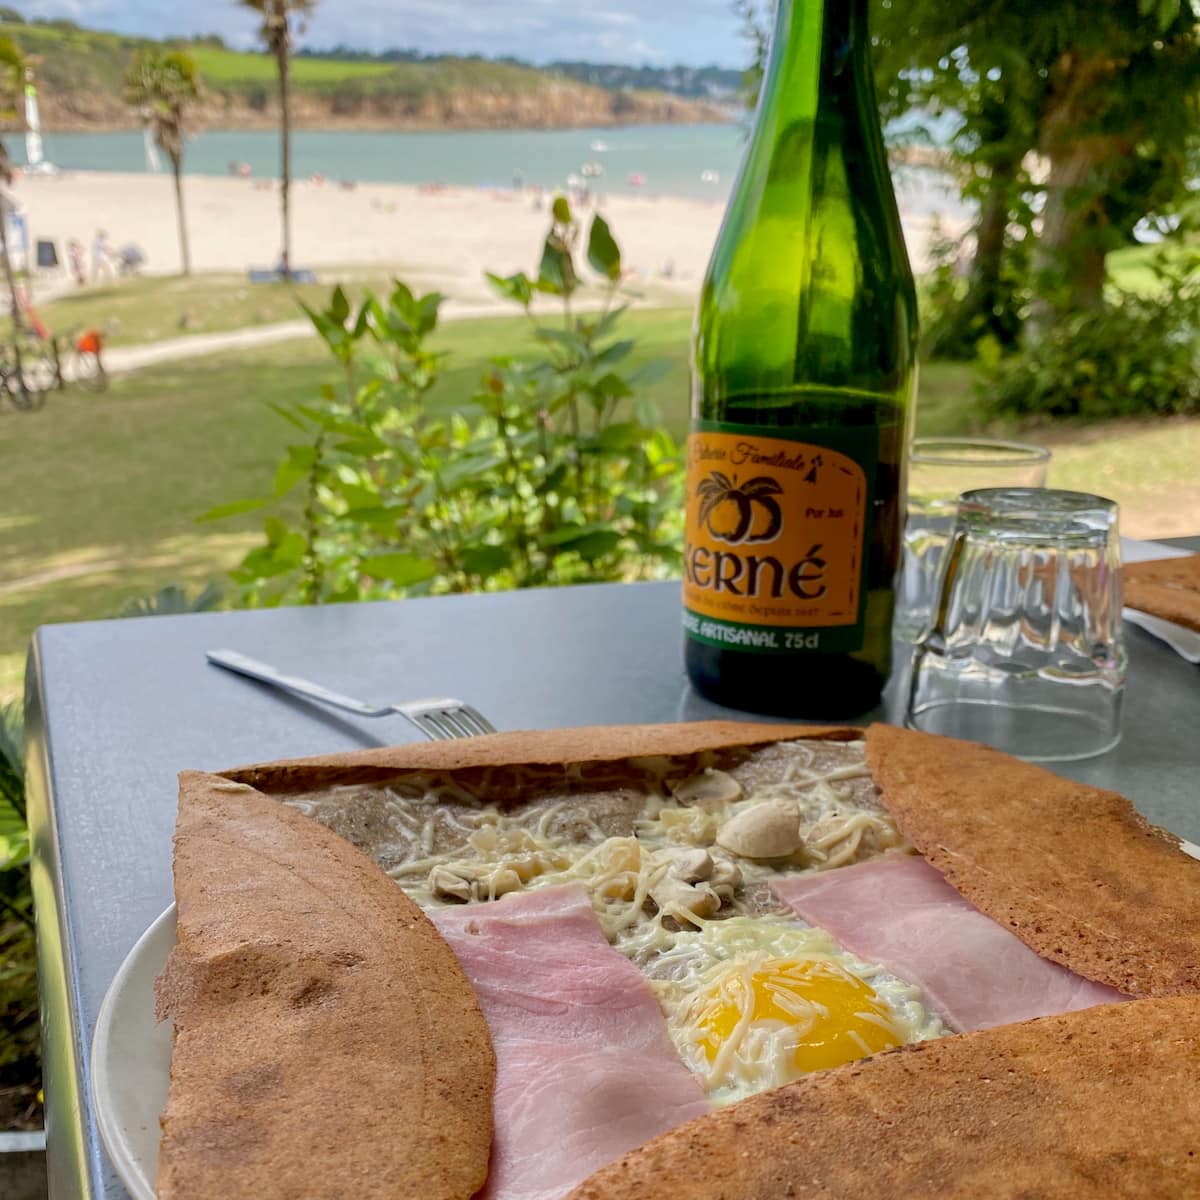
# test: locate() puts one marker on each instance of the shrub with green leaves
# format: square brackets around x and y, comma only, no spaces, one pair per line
[958,311]
[554,471]
[1139,356]
[19,1030]
[171,601]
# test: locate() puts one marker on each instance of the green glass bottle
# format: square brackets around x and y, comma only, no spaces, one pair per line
[804,371]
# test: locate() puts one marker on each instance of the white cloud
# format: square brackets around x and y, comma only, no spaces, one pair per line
[645,50]
[615,18]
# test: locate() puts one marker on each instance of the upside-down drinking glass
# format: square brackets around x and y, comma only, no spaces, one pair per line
[940,470]
[1024,650]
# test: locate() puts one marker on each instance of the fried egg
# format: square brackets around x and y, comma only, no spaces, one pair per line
[754,1002]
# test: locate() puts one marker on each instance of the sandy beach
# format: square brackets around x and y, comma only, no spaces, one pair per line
[442,238]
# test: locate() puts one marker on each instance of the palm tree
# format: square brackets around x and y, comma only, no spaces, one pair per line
[162,85]
[276,33]
[12,87]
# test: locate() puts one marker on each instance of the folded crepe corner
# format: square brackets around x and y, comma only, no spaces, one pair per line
[1076,872]
[1168,588]
[1096,1103]
[327,1041]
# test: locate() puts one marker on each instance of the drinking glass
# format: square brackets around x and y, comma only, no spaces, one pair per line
[940,470]
[1024,650]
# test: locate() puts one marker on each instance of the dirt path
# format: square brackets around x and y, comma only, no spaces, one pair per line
[57,574]
[123,359]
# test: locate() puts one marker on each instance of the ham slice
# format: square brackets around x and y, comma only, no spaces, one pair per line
[584,1068]
[899,912]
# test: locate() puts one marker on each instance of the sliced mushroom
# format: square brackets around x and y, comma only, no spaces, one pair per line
[689,863]
[449,884]
[767,830]
[681,883]
[467,880]
[682,900]
[710,788]
[726,877]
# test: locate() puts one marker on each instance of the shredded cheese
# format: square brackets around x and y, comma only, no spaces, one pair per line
[646,841]
[450,846]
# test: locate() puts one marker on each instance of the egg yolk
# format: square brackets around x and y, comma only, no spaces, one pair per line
[833,1016]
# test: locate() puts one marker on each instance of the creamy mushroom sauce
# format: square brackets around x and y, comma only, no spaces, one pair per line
[660,843]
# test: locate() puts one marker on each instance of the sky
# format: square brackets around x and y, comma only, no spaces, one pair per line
[652,32]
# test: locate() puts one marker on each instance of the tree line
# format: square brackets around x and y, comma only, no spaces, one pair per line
[1078,126]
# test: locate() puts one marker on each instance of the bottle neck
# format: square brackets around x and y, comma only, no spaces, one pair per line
[840,20]
[816,45]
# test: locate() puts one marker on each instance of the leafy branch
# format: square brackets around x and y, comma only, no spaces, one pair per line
[552,471]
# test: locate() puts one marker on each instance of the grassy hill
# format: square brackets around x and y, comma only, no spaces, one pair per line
[80,73]
[222,67]
[230,69]
[70,60]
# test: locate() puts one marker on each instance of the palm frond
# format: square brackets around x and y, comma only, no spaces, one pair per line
[173,600]
[14,836]
[276,15]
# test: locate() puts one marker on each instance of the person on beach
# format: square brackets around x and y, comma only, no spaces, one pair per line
[77,262]
[101,263]
[132,258]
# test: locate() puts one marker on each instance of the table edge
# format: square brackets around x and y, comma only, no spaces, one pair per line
[76,1163]
[63,1054]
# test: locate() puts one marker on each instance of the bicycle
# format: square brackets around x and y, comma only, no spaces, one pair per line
[39,364]
[53,360]
[24,389]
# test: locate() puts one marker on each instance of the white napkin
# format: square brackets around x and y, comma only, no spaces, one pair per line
[1183,641]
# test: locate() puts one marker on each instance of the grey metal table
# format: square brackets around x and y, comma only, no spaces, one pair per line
[116,708]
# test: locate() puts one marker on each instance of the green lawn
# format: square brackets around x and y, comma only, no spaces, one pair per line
[99,494]
[1134,268]
[945,404]
[158,307]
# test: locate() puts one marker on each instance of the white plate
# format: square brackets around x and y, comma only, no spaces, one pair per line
[1185,642]
[131,1061]
[131,1058]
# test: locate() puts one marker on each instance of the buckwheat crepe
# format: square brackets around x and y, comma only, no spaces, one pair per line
[1074,871]
[542,747]
[288,935]
[1085,1106]
[1166,587]
[326,1040]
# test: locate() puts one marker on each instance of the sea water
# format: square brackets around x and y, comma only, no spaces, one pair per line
[696,161]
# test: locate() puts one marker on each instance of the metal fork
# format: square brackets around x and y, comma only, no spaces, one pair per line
[438,719]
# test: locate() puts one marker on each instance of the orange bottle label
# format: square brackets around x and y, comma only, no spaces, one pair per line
[775,539]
